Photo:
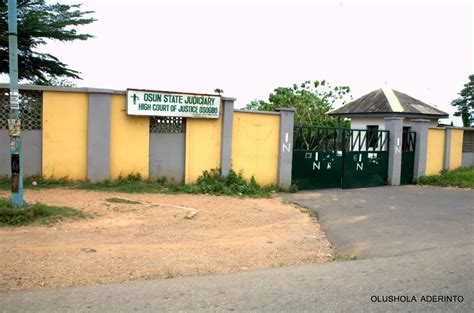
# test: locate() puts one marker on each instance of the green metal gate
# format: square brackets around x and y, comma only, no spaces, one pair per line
[328,157]
[317,157]
[408,157]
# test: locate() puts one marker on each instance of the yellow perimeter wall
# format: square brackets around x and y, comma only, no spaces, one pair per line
[65,135]
[129,140]
[435,151]
[203,146]
[455,158]
[255,139]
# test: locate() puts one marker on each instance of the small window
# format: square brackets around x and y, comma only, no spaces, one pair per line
[372,136]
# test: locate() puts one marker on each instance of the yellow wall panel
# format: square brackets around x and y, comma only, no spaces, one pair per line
[129,140]
[203,146]
[455,158]
[65,135]
[255,141]
[435,151]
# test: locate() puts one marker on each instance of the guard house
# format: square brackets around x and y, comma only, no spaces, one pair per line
[368,112]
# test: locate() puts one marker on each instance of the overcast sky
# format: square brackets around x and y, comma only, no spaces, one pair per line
[248,48]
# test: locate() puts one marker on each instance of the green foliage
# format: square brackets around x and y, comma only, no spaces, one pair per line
[463,177]
[210,182]
[39,22]
[310,100]
[232,185]
[293,188]
[465,103]
[35,182]
[36,213]
[120,200]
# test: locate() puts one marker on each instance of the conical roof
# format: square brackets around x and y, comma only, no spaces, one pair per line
[390,102]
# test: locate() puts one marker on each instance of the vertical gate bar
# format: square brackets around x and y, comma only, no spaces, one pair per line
[382,140]
[356,140]
[361,134]
[321,140]
[377,146]
[325,139]
[381,143]
[351,134]
[362,145]
[318,138]
[359,139]
[343,156]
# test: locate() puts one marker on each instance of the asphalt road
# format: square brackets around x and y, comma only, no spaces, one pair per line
[434,257]
[390,221]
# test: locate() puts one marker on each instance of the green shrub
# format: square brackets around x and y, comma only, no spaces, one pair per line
[233,184]
[210,182]
[463,177]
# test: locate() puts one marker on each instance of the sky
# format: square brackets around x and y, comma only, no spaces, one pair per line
[248,48]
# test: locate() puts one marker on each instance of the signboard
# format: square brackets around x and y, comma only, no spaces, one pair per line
[159,103]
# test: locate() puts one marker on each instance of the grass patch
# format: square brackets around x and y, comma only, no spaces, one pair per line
[304,209]
[210,182]
[343,258]
[120,200]
[35,213]
[169,275]
[35,182]
[462,177]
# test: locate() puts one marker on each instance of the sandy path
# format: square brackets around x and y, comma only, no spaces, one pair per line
[135,241]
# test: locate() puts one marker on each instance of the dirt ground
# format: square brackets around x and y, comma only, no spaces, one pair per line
[163,237]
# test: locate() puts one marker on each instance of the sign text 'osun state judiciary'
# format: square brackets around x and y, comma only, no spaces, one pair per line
[155,103]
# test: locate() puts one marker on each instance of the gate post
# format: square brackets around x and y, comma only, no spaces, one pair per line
[285,147]
[395,127]
[447,148]
[226,139]
[420,127]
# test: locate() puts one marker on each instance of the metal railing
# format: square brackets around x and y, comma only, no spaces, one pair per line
[340,139]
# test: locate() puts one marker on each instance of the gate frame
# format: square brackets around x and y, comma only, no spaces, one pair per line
[332,141]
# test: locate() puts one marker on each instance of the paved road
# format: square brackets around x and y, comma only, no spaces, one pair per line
[338,286]
[414,242]
[390,221]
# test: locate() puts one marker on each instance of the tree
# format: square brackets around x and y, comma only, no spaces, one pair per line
[37,23]
[311,101]
[465,103]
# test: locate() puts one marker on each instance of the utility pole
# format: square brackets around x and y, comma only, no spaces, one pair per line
[14,123]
